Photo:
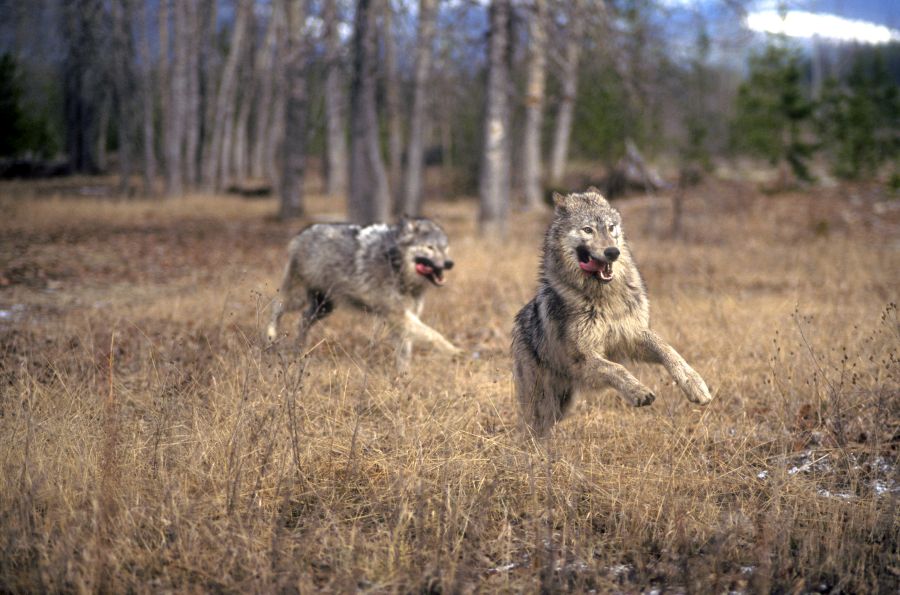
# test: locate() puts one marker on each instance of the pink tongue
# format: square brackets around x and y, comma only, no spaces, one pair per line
[591,266]
[423,269]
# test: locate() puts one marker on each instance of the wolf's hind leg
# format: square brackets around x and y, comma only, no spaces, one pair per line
[318,306]
[544,397]
[599,372]
[655,350]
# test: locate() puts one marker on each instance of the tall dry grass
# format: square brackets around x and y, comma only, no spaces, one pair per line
[149,443]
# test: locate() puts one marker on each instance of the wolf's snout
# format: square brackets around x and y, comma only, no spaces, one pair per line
[611,253]
[448,264]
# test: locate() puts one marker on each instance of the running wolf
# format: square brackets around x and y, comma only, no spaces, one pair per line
[590,312]
[382,269]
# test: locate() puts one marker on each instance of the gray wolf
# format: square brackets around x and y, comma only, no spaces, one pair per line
[591,311]
[381,269]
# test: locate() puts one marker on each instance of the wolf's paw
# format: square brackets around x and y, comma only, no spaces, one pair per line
[640,397]
[452,350]
[697,391]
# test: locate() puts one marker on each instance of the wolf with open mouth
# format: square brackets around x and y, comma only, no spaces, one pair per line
[382,269]
[591,311]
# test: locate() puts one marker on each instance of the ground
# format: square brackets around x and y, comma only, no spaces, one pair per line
[149,442]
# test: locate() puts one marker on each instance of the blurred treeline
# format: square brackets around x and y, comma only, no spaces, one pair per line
[183,95]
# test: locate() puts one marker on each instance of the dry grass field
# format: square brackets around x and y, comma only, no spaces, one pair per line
[148,443]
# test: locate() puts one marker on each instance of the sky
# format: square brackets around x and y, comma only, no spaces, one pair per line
[868,21]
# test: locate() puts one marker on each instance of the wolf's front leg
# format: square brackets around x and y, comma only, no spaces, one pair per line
[416,329]
[655,350]
[404,352]
[599,372]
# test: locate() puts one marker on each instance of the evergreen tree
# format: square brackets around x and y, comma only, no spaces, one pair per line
[859,119]
[22,132]
[12,118]
[772,111]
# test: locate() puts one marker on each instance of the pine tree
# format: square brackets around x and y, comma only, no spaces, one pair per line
[859,119]
[772,111]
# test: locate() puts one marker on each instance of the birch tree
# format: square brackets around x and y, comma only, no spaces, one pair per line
[494,180]
[224,107]
[565,114]
[147,111]
[335,105]
[82,68]
[175,134]
[123,85]
[392,95]
[192,126]
[265,72]
[412,186]
[369,198]
[293,161]
[208,58]
[534,105]
[163,83]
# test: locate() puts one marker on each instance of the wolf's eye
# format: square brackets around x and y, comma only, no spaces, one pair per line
[612,227]
[588,230]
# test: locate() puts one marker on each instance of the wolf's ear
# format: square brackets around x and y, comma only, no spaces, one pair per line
[406,222]
[559,200]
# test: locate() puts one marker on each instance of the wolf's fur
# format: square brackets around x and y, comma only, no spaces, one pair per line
[580,325]
[382,269]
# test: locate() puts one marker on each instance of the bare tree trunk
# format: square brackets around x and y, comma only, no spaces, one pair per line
[163,83]
[534,105]
[147,107]
[192,103]
[225,102]
[82,81]
[103,131]
[293,157]
[177,104]
[392,97]
[335,105]
[569,89]
[445,117]
[241,145]
[412,188]
[123,85]
[275,135]
[265,72]
[369,198]
[235,128]
[208,67]
[494,181]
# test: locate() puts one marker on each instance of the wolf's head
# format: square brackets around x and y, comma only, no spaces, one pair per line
[588,231]
[425,248]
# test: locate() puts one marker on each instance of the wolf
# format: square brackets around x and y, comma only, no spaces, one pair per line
[591,311]
[381,269]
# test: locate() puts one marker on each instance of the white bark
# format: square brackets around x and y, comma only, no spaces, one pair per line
[534,105]
[294,149]
[369,197]
[412,187]
[225,102]
[566,111]
[149,147]
[494,181]
[392,97]
[335,105]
